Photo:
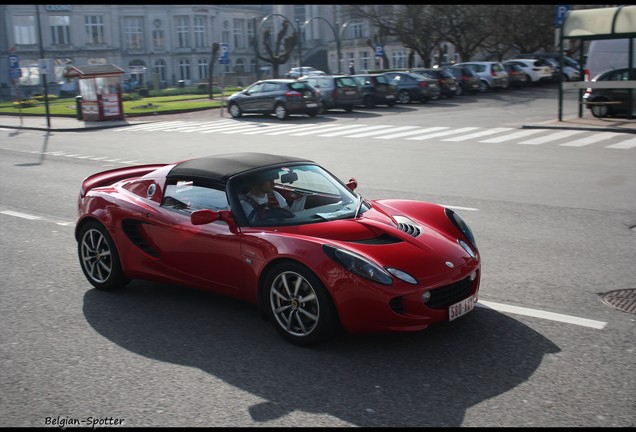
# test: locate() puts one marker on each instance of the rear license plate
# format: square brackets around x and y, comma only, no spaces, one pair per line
[460,308]
[311,105]
[390,97]
[350,92]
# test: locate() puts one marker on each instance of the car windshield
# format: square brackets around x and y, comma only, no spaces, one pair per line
[310,192]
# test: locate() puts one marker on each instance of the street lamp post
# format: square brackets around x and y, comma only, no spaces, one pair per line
[44,78]
[300,48]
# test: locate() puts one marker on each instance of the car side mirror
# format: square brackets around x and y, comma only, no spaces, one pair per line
[352,184]
[202,217]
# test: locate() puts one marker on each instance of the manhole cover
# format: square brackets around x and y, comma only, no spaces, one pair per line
[624,300]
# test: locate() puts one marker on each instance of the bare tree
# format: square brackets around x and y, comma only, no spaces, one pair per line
[280,52]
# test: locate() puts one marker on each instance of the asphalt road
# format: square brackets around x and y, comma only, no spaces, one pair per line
[554,223]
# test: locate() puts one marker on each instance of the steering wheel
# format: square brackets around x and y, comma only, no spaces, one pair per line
[278,213]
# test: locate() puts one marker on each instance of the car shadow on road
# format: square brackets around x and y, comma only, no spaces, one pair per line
[423,379]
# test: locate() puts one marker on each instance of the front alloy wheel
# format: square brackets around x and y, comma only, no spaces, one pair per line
[99,258]
[600,111]
[298,305]
[234,110]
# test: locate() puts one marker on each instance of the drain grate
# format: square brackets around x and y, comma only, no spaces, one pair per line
[623,300]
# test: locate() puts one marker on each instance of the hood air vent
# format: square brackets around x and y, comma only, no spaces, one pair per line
[408,226]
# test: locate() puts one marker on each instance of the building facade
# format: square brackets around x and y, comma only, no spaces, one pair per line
[159,45]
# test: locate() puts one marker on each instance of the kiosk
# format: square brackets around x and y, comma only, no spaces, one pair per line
[100,91]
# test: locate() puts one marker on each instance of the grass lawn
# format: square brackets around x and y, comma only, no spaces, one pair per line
[149,105]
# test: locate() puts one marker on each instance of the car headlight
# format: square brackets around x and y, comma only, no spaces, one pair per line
[358,265]
[461,225]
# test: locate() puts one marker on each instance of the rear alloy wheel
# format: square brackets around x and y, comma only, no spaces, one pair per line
[600,111]
[280,112]
[298,305]
[99,258]
[234,110]
[404,97]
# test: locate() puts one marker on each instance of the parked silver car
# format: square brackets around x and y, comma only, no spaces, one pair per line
[493,75]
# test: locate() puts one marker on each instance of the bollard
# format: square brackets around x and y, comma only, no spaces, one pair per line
[78,107]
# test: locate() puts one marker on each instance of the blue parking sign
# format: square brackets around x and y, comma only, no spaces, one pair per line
[14,67]
[379,50]
[559,14]
[224,56]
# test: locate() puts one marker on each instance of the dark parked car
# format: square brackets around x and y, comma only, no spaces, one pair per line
[414,87]
[280,97]
[467,79]
[336,91]
[517,77]
[604,102]
[377,89]
[447,82]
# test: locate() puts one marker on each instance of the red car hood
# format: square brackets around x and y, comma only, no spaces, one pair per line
[376,235]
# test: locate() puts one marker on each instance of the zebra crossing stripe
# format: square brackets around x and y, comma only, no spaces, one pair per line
[552,137]
[303,127]
[366,134]
[444,133]
[266,127]
[510,137]
[624,145]
[594,138]
[356,128]
[225,127]
[202,126]
[477,134]
[403,134]
[329,127]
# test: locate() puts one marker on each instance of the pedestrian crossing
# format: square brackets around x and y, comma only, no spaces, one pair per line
[533,137]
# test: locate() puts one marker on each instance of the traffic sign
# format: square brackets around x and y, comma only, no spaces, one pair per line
[15,71]
[379,50]
[559,14]
[224,55]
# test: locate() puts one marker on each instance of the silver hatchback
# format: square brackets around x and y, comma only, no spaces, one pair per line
[493,75]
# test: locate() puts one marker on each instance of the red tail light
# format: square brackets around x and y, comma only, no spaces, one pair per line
[493,73]
[292,93]
[422,84]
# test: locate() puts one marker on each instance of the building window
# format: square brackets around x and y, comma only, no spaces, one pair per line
[225,34]
[239,33]
[365,60]
[158,39]
[133,32]
[399,59]
[160,69]
[239,66]
[184,69]
[250,32]
[357,29]
[24,30]
[183,32]
[202,66]
[200,30]
[60,29]
[94,29]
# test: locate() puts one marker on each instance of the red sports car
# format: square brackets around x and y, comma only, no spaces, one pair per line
[284,233]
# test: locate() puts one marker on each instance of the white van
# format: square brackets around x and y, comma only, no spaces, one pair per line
[607,54]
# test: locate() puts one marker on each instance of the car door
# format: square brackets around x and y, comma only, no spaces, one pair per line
[251,100]
[200,254]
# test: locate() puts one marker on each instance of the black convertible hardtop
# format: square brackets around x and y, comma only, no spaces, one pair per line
[222,167]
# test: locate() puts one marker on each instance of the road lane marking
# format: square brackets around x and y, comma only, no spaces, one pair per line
[444,133]
[478,134]
[623,145]
[512,136]
[552,137]
[536,313]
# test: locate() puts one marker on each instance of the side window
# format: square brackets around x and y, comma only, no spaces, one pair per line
[189,196]
[255,88]
[270,87]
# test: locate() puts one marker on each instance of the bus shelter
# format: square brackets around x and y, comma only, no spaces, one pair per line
[100,90]
[599,24]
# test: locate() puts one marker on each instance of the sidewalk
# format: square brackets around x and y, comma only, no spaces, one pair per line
[68,124]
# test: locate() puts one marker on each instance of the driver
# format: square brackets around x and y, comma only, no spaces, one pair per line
[262,196]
